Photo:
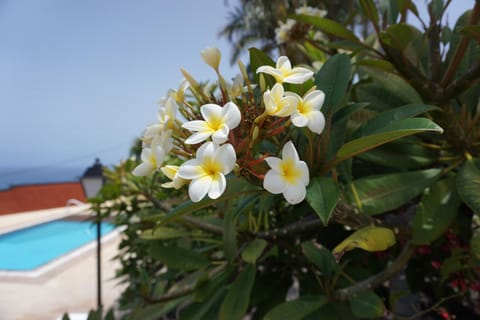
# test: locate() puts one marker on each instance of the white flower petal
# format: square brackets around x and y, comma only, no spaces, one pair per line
[283,63]
[227,157]
[289,152]
[206,150]
[198,137]
[273,182]
[170,171]
[217,187]
[231,115]
[302,166]
[268,70]
[294,193]
[191,169]
[314,100]
[299,120]
[143,169]
[274,163]
[298,75]
[199,188]
[211,112]
[196,125]
[221,135]
[316,121]
[145,155]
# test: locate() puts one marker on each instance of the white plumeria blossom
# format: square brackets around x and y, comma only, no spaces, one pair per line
[211,56]
[284,73]
[277,103]
[207,171]
[171,172]
[166,121]
[288,175]
[282,32]
[217,123]
[151,158]
[308,111]
[310,11]
[178,95]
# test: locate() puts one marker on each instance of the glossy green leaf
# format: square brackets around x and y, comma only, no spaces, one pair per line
[178,258]
[328,26]
[320,257]
[472,31]
[394,85]
[163,233]
[393,131]
[259,58]
[333,79]
[435,212]
[367,305]
[468,185]
[322,196]
[156,311]
[236,302]
[369,238]
[399,36]
[370,10]
[296,309]
[381,193]
[253,250]
[385,118]
[197,311]
[376,63]
[402,154]
[204,292]
[230,234]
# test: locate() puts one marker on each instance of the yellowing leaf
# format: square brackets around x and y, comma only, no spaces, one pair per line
[369,238]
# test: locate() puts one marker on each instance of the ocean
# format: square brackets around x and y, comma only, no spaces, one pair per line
[14,176]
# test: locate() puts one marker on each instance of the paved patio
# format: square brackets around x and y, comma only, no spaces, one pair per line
[67,286]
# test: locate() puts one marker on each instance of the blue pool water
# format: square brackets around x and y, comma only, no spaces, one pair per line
[30,248]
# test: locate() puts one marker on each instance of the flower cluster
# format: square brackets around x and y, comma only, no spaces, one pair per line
[217,133]
[284,31]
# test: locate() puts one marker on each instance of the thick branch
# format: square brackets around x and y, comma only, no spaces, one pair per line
[376,280]
[461,84]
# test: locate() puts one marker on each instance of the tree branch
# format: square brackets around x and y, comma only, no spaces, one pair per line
[376,280]
[208,227]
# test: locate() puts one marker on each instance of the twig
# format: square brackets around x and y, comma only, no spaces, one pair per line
[308,223]
[208,227]
[376,280]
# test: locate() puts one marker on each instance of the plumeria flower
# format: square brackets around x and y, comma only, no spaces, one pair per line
[212,56]
[152,158]
[277,103]
[282,32]
[310,11]
[217,123]
[172,173]
[178,95]
[166,121]
[285,73]
[207,171]
[288,175]
[308,111]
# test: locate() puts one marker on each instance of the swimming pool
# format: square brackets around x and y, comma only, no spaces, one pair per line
[30,248]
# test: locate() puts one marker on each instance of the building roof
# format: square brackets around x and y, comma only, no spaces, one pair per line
[39,196]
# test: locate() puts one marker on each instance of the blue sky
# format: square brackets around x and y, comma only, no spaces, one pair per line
[81,79]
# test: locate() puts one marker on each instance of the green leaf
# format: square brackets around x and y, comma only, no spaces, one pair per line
[394,85]
[178,258]
[376,63]
[393,131]
[230,234]
[435,212]
[401,154]
[381,193]
[296,309]
[322,196]
[367,305]
[333,79]
[468,185]
[370,10]
[328,26]
[475,244]
[163,233]
[320,257]
[472,31]
[197,311]
[236,302]
[259,58]
[369,238]
[399,36]
[253,250]
[156,311]
[385,118]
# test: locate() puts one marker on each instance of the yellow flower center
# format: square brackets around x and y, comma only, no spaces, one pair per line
[211,167]
[290,172]
[215,122]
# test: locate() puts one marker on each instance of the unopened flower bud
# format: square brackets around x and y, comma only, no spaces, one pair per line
[212,56]
[189,78]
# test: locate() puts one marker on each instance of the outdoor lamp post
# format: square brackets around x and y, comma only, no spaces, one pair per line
[92,181]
